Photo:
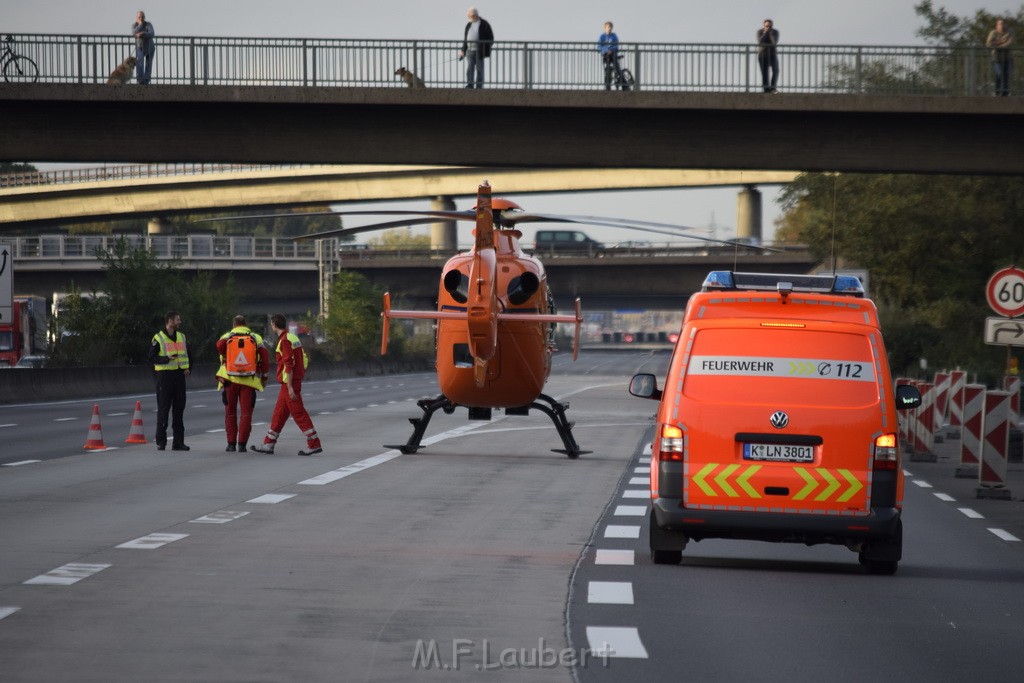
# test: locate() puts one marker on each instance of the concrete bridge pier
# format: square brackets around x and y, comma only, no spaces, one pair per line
[748,214]
[444,235]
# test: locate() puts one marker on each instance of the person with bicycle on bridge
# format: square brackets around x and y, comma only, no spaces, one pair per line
[608,47]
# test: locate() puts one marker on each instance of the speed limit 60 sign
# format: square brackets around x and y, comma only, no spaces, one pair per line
[1005,292]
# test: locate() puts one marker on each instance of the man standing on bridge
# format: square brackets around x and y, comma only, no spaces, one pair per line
[476,47]
[767,57]
[291,368]
[170,359]
[145,48]
[999,41]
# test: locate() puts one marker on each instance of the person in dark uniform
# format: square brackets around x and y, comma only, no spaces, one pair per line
[170,359]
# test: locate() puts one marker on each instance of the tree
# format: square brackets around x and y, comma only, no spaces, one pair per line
[353,326]
[400,239]
[949,30]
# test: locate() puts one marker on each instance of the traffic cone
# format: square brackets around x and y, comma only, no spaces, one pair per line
[95,440]
[137,433]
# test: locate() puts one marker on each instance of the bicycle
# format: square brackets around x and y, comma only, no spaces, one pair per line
[622,78]
[17,68]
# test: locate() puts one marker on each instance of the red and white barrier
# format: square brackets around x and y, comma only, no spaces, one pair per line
[941,399]
[973,424]
[1011,383]
[995,445]
[924,446]
[957,382]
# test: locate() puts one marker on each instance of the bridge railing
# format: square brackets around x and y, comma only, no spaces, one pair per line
[186,247]
[122,172]
[180,60]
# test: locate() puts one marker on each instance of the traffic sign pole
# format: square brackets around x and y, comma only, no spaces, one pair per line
[6,283]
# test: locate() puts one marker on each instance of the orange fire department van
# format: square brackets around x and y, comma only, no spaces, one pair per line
[778,421]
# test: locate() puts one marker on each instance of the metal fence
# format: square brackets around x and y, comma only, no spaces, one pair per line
[518,65]
[186,247]
[122,172]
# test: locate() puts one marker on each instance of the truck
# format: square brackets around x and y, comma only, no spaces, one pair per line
[25,333]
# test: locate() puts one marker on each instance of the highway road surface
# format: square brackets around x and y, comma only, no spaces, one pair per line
[485,555]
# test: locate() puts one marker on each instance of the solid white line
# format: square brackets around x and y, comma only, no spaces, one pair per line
[923,484]
[615,641]
[614,557]
[1005,535]
[630,510]
[67,574]
[271,498]
[971,513]
[945,496]
[636,493]
[19,463]
[220,517]
[610,593]
[152,541]
[640,481]
[621,531]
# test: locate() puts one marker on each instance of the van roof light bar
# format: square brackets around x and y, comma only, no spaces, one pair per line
[720,280]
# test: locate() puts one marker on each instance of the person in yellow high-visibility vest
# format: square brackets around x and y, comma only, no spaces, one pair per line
[171,360]
[244,364]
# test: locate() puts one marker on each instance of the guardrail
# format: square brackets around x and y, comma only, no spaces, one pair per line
[98,174]
[183,60]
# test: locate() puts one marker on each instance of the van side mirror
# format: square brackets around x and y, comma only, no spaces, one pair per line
[907,397]
[645,386]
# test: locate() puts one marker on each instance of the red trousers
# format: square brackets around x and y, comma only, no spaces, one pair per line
[238,423]
[287,406]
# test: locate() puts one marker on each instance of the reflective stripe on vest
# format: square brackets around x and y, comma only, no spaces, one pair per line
[222,373]
[176,351]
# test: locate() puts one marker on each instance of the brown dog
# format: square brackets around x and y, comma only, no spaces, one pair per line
[123,73]
[411,79]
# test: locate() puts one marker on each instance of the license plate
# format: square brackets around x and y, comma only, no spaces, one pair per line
[777,451]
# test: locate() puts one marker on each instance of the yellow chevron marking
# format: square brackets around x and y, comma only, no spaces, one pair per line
[812,483]
[855,486]
[722,480]
[833,484]
[742,480]
[797,367]
[698,479]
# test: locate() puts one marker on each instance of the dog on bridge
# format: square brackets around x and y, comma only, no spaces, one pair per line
[123,73]
[411,79]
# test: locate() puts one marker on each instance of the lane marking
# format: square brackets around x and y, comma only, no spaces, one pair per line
[65,419]
[907,473]
[152,541]
[630,510]
[642,470]
[19,463]
[610,593]
[201,405]
[946,497]
[614,557]
[1005,535]
[621,531]
[8,611]
[67,574]
[640,481]
[219,517]
[636,493]
[923,484]
[648,449]
[349,470]
[9,425]
[116,414]
[615,641]
[271,498]
[215,431]
[971,513]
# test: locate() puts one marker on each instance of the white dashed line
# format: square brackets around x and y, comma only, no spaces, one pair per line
[67,575]
[616,531]
[8,611]
[9,425]
[971,513]
[647,449]
[610,593]
[945,496]
[221,517]
[201,405]
[65,419]
[613,641]
[640,481]
[1005,535]
[642,470]
[116,414]
[614,557]
[214,431]
[630,510]
[152,542]
[19,463]
[923,484]
[636,493]
[271,498]
[349,470]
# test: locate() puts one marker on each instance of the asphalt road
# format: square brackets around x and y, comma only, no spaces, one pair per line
[483,555]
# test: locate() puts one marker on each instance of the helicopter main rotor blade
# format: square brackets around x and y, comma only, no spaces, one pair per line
[365,228]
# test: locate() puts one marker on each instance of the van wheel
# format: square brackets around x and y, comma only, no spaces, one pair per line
[883,556]
[666,556]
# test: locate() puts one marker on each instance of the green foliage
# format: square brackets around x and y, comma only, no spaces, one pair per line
[8,168]
[929,243]
[352,328]
[949,30]
[115,325]
[400,239]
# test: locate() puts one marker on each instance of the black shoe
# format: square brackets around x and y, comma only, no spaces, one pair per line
[230,448]
[161,446]
[242,447]
[180,447]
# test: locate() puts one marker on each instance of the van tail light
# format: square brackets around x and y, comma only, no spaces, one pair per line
[671,447]
[887,453]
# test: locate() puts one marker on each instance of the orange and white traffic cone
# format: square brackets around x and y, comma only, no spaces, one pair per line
[95,440]
[137,433]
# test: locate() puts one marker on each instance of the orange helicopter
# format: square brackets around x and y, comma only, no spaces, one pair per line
[495,315]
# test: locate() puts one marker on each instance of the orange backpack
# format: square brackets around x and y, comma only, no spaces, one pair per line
[241,355]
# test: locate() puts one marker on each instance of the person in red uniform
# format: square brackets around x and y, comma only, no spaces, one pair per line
[244,364]
[291,368]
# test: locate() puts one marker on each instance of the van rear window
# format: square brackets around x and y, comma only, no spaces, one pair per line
[757,365]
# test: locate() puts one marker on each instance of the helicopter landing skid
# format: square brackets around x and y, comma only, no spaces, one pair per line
[551,408]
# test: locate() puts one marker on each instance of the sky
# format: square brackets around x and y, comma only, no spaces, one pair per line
[805,22]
